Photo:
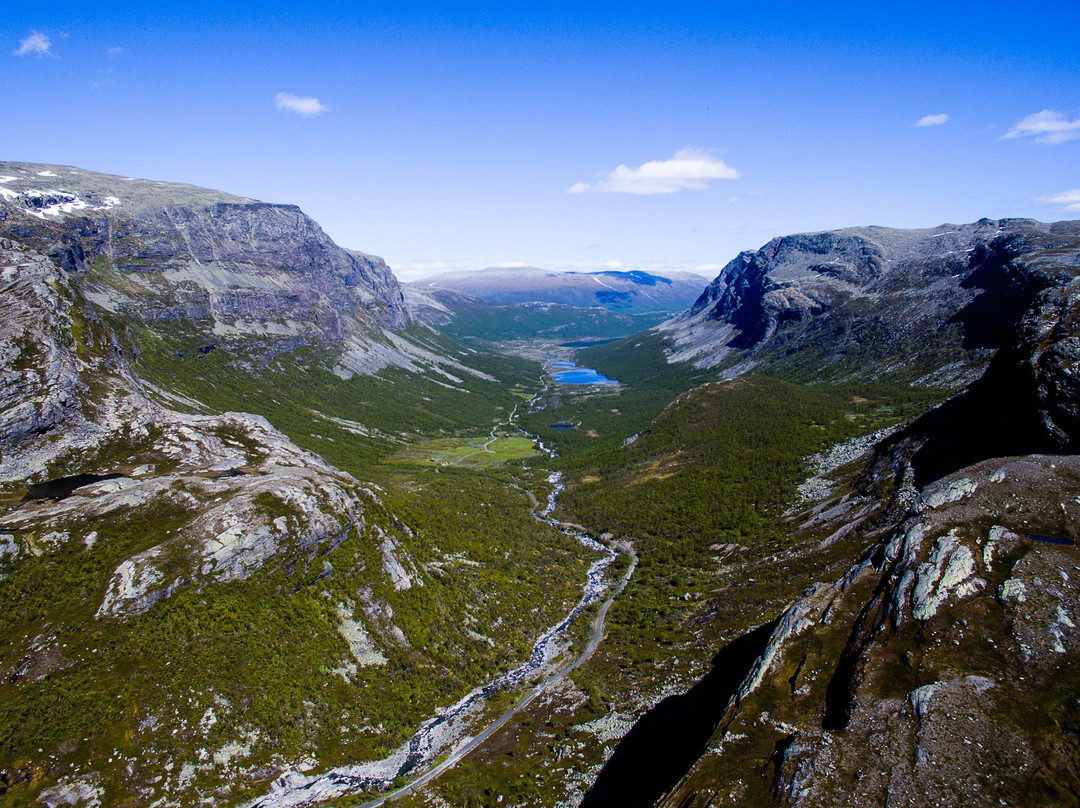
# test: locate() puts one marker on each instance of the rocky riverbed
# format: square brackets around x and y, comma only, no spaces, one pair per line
[449,726]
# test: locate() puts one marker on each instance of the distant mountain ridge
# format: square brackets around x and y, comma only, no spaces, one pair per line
[630,291]
[874,300]
[472,319]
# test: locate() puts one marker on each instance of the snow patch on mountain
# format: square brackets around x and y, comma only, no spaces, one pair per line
[42,202]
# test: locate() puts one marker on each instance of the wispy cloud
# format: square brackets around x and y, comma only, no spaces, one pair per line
[1049,126]
[37,44]
[689,170]
[114,51]
[932,120]
[1070,199]
[734,200]
[300,105]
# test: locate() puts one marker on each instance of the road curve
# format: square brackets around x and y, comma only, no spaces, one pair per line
[462,751]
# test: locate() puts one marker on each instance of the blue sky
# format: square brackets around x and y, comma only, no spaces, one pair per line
[563,135]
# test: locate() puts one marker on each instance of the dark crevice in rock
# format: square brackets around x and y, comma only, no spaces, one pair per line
[663,745]
[779,757]
[689,801]
[842,690]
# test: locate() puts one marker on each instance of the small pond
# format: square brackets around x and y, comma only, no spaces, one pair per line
[1050,539]
[65,486]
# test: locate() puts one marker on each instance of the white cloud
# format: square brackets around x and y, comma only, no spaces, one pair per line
[689,170]
[307,107]
[734,200]
[114,51]
[1049,126]
[932,120]
[37,44]
[1070,199]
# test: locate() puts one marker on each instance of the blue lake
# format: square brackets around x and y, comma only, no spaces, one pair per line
[581,376]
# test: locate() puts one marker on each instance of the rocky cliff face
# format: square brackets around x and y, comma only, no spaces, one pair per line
[1027,401]
[939,668]
[874,301]
[79,266]
[228,268]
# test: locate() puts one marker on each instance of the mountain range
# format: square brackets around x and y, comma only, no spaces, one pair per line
[264,512]
[631,291]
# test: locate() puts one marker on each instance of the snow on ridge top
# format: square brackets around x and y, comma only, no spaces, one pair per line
[59,202]
[54,202]
[7,178]
[47,173]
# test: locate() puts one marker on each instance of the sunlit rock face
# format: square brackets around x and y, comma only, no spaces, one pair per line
[930,304]
[230,267]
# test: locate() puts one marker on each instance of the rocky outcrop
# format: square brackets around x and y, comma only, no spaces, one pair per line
[242,505]
[40,387]
[241,493]
[943,647]
[871,302]
[947,645]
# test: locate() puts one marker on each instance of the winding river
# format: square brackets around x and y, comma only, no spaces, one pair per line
[436,734]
